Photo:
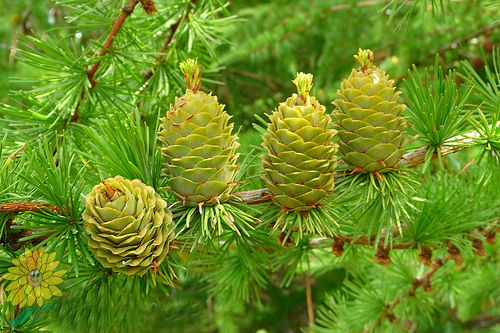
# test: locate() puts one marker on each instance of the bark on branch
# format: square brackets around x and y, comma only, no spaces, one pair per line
[423,281]
[108,43]
[410,160]
[15,239]
[489,234]
[173,28]
[20,207]
[364,240]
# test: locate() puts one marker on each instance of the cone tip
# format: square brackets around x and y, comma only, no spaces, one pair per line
[192,73]
[304,83]
[365,58]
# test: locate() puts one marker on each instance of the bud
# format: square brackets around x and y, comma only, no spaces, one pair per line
[338,247]
[382,257]
[149,6]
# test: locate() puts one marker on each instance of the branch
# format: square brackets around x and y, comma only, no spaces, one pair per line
[310,310]
[117,24]
[482,322]
[149,73]
[411,160]
[382,255]
[14,239]
[456,143]
[364,240]
[417,157]
[20,207]
[424,281]
[490,232]
[254,197]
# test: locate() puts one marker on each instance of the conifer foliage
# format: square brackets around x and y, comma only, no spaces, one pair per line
[365,203]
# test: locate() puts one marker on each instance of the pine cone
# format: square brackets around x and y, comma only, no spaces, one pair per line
[369,119]
[129,226]
[199,148]
[300,158]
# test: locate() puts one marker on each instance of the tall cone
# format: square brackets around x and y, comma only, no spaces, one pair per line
[199,149]
[300,156]
[369,120]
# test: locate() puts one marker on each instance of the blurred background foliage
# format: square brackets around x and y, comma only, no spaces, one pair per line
[268,43]
[275,39]
[272,40]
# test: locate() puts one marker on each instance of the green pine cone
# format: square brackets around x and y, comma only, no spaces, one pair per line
[129,227]
[369,121]
[199,149]
[300,161]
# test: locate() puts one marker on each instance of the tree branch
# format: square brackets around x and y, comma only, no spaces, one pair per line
[482,322]
[417,157]
[310,310]
[410,160]
[424,281]
[20,207]
[117,24]
[489,233]
[364,240]
[254,197]
[14,239]
[173,28]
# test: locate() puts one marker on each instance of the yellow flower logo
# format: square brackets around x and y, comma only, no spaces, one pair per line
[33,278]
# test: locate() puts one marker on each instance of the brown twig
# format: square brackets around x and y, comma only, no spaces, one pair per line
[117,24]
[14,239]
[417,157]
[254,197]
[149,6]
[173,28]
[310,310]
[14,154]
[490,232]
[482,322]
[410,160]
[20,207]
[424,281]
[425,256]
[363,240]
